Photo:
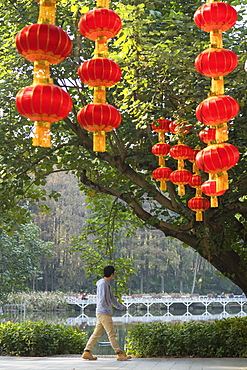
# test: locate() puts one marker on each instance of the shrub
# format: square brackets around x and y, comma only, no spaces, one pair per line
[223,338]
[40,339]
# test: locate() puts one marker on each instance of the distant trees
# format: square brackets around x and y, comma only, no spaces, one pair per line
[21,253]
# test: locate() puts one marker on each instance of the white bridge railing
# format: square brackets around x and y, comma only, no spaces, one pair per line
[167,301]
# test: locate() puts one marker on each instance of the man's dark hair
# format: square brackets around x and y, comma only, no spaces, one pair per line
[108,270]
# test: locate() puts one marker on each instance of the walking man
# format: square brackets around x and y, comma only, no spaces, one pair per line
[105,299]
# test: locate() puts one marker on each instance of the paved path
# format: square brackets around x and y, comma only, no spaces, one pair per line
[110,363]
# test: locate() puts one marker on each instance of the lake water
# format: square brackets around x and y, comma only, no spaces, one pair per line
[87,324]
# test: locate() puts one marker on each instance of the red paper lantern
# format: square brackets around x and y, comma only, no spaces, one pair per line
[198,204]
[43,103]
[215,62]
[216,110]
[195,181]
[99,72]
[43,42]
[100,23]
[209,188]
[181,151]
[215,16]
[161,149]
[180,127]
[161,126]
[162,174]
[181,178]
[208,135]
[217,158]
[99,117]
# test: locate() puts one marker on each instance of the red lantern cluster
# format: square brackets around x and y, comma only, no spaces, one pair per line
[161,149]
[217,109]
[100,72]
[43,44]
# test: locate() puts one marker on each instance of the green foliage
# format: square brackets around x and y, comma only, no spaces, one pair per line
[223,338]
[40,339]
[20,255]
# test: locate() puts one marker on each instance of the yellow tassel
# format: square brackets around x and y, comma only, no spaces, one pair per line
[198,215]
[99,144]
[99,96]
[222,181]
[221,133]
[41,72]
[161,137]
[47,12]
[216,39]
[181,190]
[102,4]
[101,47]
[180,164]
[162,161]
[195,169]
[198,192]
[163,186]
[217,86]
[42,134]
[214,201]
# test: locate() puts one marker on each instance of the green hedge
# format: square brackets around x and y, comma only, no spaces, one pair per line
[223,338]
[40,339]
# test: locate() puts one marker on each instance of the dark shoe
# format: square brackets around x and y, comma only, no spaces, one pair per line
[87,356]
[121,356]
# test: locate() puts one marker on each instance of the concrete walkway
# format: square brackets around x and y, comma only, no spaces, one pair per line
[110,363]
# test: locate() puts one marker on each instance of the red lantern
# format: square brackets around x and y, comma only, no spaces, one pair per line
[181,151]
[216,110]
[43,103]
[216,62]
[195,181]
[180,127]
[215,16]
[209,188]
[180,178]
[198,204]
[161,126]
[208,135]
[162,174]
[99,72]
[100,23]
[99,118]
[161,150]
[217,159]
[43,42]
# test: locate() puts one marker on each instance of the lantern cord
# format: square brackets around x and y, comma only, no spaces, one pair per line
[102,4]
[181,189]
[221,181]
[41,72]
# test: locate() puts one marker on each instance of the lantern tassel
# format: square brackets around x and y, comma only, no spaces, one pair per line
[163,186]
[47,12]
[222,181]
[222,133]
[214,201]
[42,135]
[99,144]
[198,215]
[181,189]
[162,161]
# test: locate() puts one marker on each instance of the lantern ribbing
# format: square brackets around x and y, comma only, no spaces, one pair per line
[100,25]
[218,109]
[43,44]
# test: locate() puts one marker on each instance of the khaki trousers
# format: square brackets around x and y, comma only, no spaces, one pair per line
[104,322]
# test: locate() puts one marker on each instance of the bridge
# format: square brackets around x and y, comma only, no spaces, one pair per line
[165,301]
